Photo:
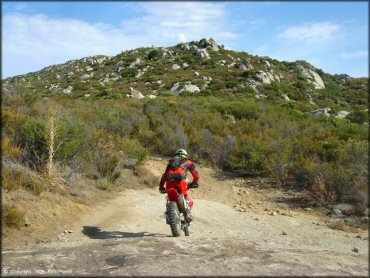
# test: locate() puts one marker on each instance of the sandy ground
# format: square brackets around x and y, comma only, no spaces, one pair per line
[237,230]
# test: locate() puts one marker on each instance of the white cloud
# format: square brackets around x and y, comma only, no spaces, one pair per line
[311,32]
[31,42]
[261,49]
[21,6]
[171,22]
[355,54]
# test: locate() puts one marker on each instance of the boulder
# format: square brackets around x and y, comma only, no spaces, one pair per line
[202,53]
[323,111]
[152,96]
[242,67]
[191,88]
[230,118]
[185,46]
[209,44]
[286,97]
[207,79]
[196,73]
[85,76]
[342,114]
[175,67]
[178,89]
[135,63]
[68,90]
[175,88]
[312,77]
[129,163]
[263,77]
[135,94]
[248,64]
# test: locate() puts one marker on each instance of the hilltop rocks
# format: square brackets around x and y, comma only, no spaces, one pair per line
[201,52]
[312,77]
[95,60]
[209,44]
[185,46]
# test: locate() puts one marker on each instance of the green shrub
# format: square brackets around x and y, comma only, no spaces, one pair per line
[132,148]
[128,72]
[154,54]
[12,217]
[359,117]
[31,136]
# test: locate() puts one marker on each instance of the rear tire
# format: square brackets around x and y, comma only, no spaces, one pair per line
[174,219]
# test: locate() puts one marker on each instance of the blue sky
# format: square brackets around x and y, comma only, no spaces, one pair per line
[333,36]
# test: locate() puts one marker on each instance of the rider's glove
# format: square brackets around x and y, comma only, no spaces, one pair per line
[162,190]
[193,185]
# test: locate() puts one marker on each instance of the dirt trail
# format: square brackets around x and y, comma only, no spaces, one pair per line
[127,236]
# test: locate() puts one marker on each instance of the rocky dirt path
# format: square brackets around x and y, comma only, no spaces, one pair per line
[127,236]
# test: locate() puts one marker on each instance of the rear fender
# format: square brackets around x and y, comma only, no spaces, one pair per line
[172,194]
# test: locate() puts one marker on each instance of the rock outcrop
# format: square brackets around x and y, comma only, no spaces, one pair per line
[312,77]
[210,44]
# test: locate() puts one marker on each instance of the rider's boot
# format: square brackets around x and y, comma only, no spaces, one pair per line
[187,213]
[188,216]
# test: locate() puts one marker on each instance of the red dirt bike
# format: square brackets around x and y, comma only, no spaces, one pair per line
[175,209]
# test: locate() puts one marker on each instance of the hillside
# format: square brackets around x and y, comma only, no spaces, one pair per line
[74,134]
[199,68]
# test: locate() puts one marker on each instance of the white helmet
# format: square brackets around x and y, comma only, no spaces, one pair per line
[181,152]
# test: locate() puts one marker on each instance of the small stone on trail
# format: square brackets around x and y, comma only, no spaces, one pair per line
[273,213]
[284,233]
[355,249]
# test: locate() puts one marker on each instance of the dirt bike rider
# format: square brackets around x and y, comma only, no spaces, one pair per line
[175,177]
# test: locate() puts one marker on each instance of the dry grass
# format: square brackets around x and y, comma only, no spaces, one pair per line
[319,192]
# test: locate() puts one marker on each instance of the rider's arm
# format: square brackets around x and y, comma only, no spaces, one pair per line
[164,178]
[194,173]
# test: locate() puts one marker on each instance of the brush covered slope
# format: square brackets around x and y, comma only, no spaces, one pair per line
[305,128]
